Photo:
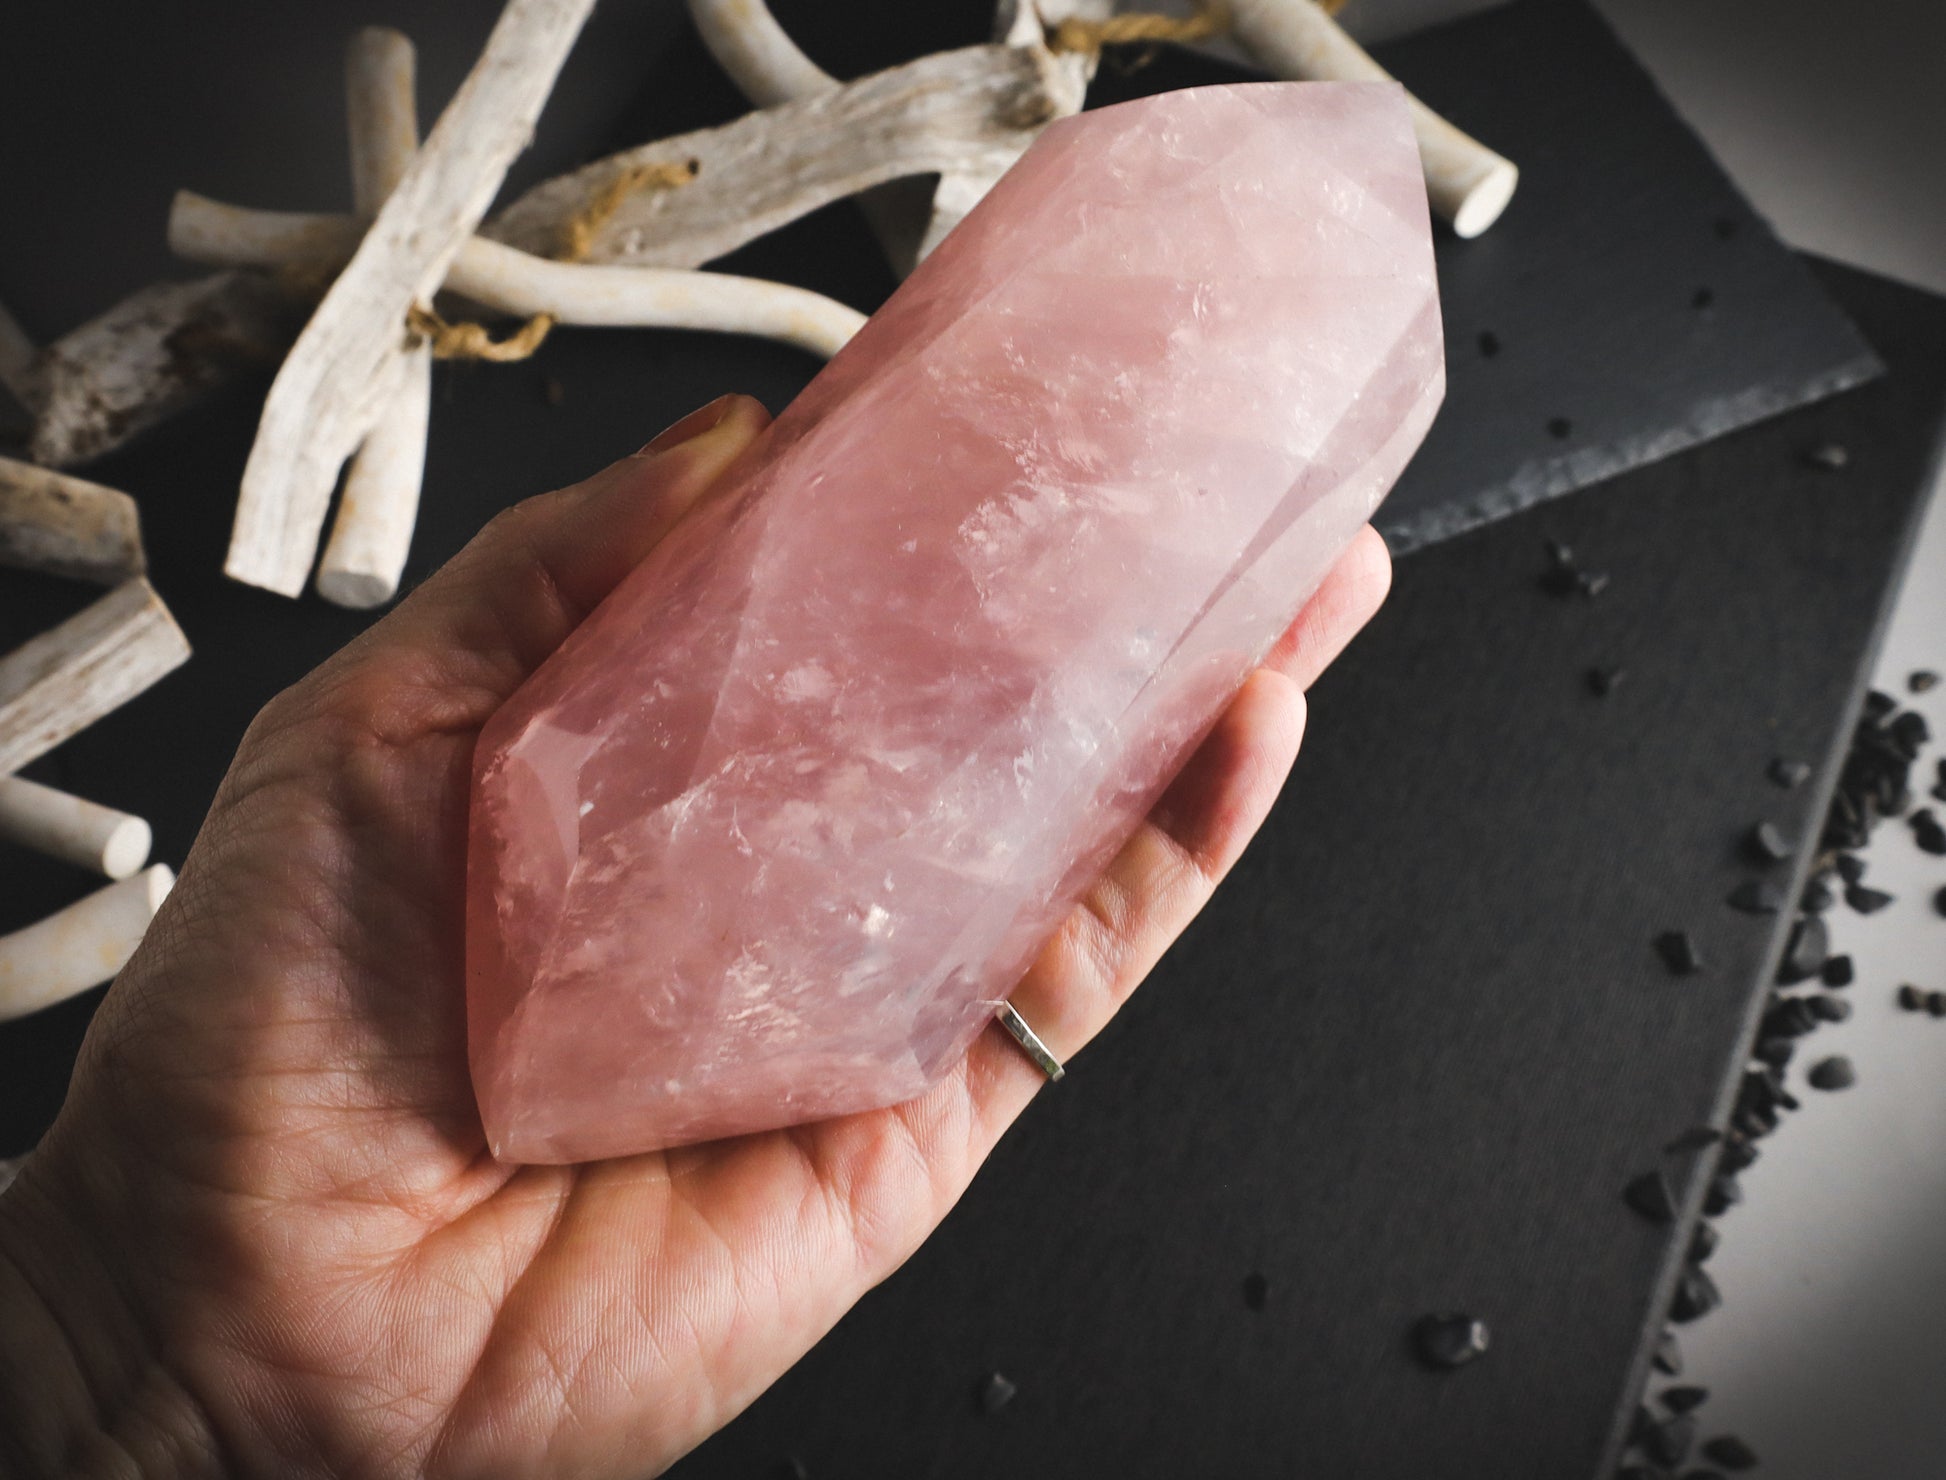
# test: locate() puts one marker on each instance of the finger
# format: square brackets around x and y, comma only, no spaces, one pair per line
[1156,885]
[494,612]
[1351,593]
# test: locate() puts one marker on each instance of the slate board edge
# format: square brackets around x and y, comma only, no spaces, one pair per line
[1655,1317]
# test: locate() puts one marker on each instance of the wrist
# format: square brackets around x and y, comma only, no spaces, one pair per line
[83,1390]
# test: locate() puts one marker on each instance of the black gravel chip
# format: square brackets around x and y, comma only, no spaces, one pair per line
[1774,1051]
[1668,1443]
[1922,681]
[1834,1073]
[1827,457]
[1788,773]
[1725,1192]
[1936,1004]
[1817,898]
[1738,1155]
[1911,998]
[1867,901]
[1910,733]
[1696,1138]
[1679,953]
[1767,844]
[1650,1196]
[1756,897]
[1684,1399]
[1930,836]
[1939,903]
[1851,868]
[996,1392]
[1830,1009]
[1450,1340]
[1805,956]
[1604,681]
[1880,705]
[1696,1296]
[1703,1243]
[1731,1453]
[1256,1291]
[1838,971]
[1668,1354]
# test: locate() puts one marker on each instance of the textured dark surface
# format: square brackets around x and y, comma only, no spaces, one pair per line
[1411,1056]
[1633,301]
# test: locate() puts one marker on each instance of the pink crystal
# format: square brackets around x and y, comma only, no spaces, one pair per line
[771,834]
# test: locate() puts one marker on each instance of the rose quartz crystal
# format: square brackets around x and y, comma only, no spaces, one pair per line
[772,833]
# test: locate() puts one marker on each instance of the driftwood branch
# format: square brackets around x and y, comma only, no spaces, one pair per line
[325,398]
[83,833]
[80,947]
[66,527]
[149,356]
[62,681]
[372,536]
[1467,184]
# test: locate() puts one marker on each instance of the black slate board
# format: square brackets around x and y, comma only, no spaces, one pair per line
[1632,301]
[1411,1055]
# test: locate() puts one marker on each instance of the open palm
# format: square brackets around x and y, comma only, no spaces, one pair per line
[266,1225]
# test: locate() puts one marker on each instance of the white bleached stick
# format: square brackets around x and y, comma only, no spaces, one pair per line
[372,536]
[510,281]
[83,833]
[150,355]
[62,681]
[769,68]
[81,946]
[328,394]
[1467,184]
[502,278]
[67,527]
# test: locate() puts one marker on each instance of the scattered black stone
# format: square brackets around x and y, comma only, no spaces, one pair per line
[1450,1340]
[1939,903]
[1669,1442]
[1696,1296]
[1725,1192]
[1880,705]
[1256,1291]
[1936,1004]
[1775,1051]
[1767,844]
[1489,344]
[1738,1155]
[1668,1354]
[1604,681]
[1922,681]
[1910,733]
[1867,901]
[1731,1453]
[1838,971]
[1817,897]
[1829,457]
[1805,956]
[1787,1017]
[996,1392]
[1851,868]
[1756,897]
[1684,1399]
[1830,1009]
[1702,1243]
[1928,833]
[1911,998]
[1789,773]
[1650,1196]
[1679,953]
[1834,1073]
[1696,1138]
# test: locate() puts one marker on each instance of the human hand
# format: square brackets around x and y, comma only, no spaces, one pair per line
[265,1235]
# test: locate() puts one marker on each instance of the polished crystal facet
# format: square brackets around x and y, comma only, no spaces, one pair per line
[776,828]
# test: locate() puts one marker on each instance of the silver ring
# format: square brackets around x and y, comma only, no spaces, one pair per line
[1029,1040]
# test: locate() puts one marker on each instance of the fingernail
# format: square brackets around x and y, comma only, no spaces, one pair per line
[701,420]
